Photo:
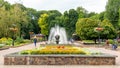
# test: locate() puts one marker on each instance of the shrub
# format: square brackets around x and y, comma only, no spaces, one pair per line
[111,41]
[19,40]
[6,41]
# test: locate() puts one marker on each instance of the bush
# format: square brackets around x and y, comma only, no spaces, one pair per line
[6,41]
[111,41]
[19,40]
[1,45]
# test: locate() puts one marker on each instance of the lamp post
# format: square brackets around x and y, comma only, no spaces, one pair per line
[13,29]
[31,33]
[99,29]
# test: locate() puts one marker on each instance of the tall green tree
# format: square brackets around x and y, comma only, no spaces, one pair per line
[108,30]
[4,18]
[4,22]
[112,13]
[19,17]
[85,28]
[33,20]
[101,16]
[53,18]
[82,13]
[91,14]
[43,24]
[70,19]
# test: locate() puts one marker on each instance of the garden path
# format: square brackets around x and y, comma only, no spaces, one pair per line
[31,46]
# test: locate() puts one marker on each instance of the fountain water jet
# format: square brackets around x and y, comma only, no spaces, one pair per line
[57,31]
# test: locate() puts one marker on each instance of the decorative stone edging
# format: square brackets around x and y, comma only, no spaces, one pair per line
[58,60]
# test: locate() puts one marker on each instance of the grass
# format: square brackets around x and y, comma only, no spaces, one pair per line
[88,41]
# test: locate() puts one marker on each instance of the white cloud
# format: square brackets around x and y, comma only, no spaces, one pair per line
[62,5]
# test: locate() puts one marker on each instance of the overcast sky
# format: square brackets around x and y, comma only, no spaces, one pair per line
[63,5]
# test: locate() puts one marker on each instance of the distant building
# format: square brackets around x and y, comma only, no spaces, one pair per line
[40,37]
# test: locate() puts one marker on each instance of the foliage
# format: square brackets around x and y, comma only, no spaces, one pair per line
[12,14]
[85,28]
[95,17]
[54,18]
[108,30]
[70,19]
[43,24]
[101,16]
[4,19]
[19,39]
[1,46]
[82,13]
[6,41]
[33,20]
[91,14]
[22,43]
[112,11]
[110,41]
[28,19]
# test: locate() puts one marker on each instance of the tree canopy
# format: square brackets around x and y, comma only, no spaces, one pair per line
[78,20]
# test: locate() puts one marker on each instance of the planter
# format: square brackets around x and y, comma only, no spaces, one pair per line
[59,59]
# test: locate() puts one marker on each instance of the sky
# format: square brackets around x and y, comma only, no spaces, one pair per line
[63,5]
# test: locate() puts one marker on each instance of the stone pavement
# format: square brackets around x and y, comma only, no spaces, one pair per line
[31,46]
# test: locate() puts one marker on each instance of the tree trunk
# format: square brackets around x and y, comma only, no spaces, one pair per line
[95,41]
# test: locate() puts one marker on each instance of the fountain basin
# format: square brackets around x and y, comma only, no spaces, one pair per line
[59,59]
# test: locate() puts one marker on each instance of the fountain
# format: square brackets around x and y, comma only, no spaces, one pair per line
[57,39]
[57,35]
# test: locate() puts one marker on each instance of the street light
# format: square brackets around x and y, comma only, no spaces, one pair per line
[13,29]
[99,29]
[31,33]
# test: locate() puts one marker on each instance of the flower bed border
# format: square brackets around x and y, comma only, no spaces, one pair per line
[16,59]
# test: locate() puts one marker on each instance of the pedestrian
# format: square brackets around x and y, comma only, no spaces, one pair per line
[114,45]
[35,40]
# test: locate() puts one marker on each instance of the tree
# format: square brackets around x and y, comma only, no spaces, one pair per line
[91,14]
[53,18]
[81,12]
[70,19]
[119,19]
[33,20]
[108,30]
[43,24]
[85,28]
[95,17]
[112,13]
[101,16]
[4,18]
[19,17]
[4,22]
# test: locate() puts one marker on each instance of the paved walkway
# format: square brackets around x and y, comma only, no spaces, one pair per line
[31,46]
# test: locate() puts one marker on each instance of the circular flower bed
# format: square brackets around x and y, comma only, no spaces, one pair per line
[57,50]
